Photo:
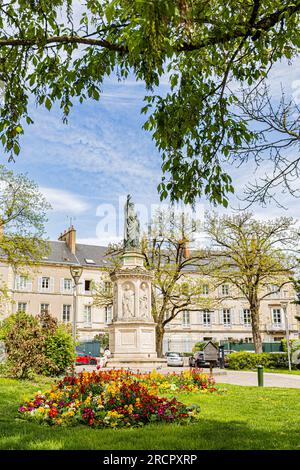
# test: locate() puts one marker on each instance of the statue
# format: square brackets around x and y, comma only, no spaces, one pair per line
[131,227]
[143,301]
[128,302]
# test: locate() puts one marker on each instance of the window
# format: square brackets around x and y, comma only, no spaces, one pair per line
[23,283]
[22,306]
[225,289]
[276,317]
[186,318]
[87,285]
[108,314]
[246,317]
[277,339]
[275,290]
[67,284]
[206,318]
[88,315]
[167,314]
[226,317]
[45,282]
[205,289]
[45,308]
[66,314]
[107,287]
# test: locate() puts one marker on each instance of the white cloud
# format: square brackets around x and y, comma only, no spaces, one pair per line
[64,201]
[101,241]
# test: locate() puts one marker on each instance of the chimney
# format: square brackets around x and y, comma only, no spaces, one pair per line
[186,249]
[69,236]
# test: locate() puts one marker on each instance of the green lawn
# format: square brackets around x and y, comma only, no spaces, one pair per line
[241,418]
[275,371]
[283,371]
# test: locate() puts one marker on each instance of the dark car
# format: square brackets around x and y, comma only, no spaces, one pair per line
[197,360]
[84,358]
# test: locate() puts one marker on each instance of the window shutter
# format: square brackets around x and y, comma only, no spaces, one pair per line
[200,317]
[62,285]
[212,317]
[51,284]
[29,284]
[242,317]
[221,319]
[17,282]
[39,284]
[233,319]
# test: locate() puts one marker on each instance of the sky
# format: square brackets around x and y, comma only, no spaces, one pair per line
[87,167]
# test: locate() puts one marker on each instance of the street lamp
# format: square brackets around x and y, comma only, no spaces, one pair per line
[76,272]
[287,333]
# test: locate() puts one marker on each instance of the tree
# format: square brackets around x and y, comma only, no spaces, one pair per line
[252,255]
[22,218]
[202,46]
[178,283]
[277,141]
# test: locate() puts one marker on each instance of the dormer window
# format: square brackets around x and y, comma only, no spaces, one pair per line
[89,261]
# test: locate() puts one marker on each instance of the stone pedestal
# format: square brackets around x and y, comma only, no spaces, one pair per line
[132,331]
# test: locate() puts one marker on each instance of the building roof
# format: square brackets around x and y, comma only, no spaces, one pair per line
[85,255]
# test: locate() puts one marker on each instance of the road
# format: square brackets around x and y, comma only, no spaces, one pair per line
[232,376]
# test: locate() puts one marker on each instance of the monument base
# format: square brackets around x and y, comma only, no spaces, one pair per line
[132,340]
[136,363]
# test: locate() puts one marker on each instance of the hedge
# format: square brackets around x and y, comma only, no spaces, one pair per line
[247,360]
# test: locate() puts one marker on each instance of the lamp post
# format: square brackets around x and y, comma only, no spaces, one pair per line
[287,333]
[76,272]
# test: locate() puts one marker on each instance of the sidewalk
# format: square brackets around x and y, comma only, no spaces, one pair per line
[250,378]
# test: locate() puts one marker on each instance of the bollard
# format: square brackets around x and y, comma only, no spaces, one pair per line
[260,376]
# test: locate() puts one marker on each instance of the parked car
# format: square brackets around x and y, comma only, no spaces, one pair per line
[197,360]
[84,358]
[174,359]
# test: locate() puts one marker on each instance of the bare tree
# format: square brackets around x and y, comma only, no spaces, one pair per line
[275,144]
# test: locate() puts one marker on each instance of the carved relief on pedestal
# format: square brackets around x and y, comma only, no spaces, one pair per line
[128,301]
[115,302]
[144,301]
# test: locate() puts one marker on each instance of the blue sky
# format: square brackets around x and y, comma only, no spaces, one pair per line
[87,167]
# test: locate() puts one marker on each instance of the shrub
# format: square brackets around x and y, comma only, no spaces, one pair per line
[201,344]
[25,344]
[36,345]
[246,360]
[59,348]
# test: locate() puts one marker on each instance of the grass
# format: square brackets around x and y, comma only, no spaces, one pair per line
[241,418]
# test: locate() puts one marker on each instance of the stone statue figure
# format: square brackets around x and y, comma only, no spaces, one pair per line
[128,302]
[144,302]
[132,226]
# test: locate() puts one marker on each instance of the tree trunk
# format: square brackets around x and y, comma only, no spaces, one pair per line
[159,339]
[254,310]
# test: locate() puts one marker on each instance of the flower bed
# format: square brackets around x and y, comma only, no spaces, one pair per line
[116,398]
